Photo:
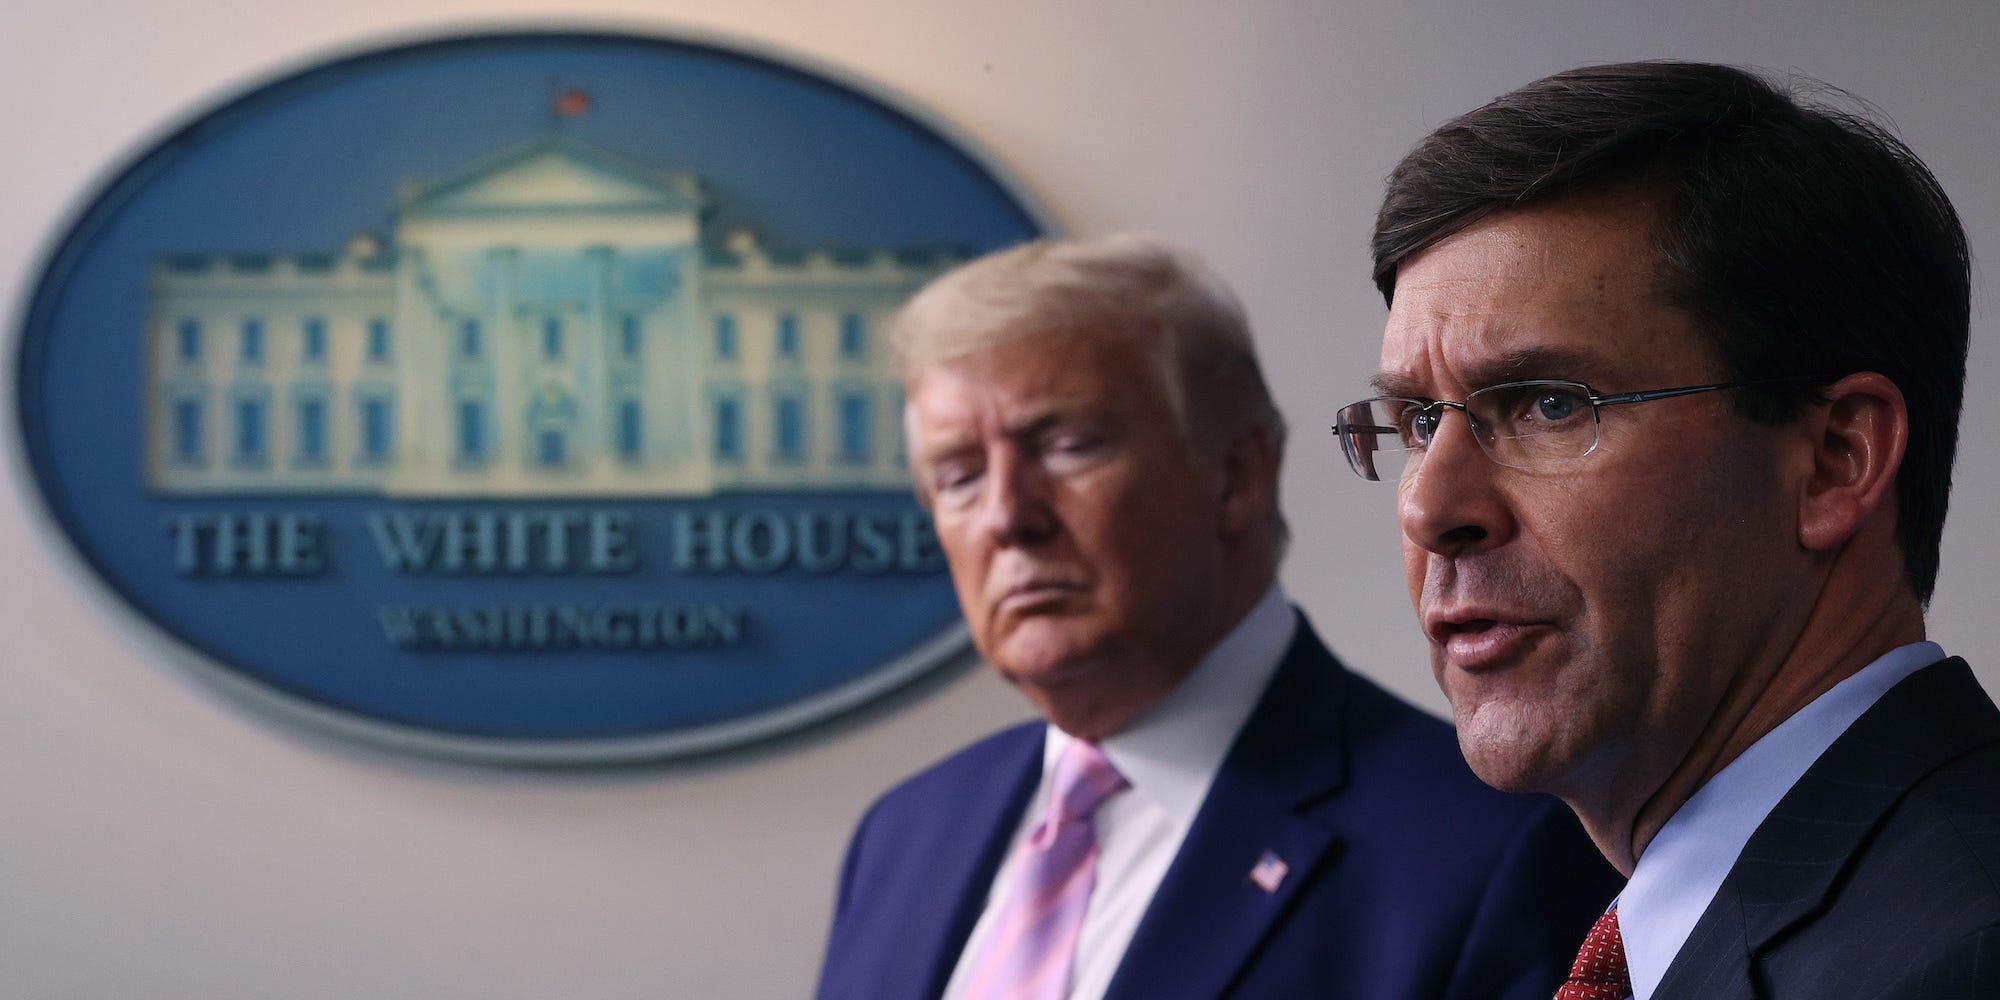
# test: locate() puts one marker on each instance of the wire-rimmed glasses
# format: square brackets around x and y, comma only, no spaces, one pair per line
[1535,425]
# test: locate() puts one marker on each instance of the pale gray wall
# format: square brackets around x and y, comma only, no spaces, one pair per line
[161,842]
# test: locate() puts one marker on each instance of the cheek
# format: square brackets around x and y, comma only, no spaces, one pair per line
[1733,554]
[1666,558]
[1153,558]
[1611,559]
[1119,523]
[967,561]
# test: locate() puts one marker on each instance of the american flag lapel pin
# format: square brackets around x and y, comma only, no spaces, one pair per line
[1269,872]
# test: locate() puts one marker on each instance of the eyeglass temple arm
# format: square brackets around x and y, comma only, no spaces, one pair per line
[1651,394]
[1689,390]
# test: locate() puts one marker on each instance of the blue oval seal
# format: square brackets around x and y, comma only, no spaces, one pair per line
[519,396]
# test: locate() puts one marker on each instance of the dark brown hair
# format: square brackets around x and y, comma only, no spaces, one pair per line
[1802,240]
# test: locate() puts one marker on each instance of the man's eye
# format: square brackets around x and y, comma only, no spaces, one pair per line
[1556,405]
[1531,409]
[1073,444]
[952,480]
[1070,447]
[1419,426]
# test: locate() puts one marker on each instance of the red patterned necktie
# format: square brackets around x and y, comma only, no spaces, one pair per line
[1599,972]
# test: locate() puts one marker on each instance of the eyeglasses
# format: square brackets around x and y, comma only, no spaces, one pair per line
[1535,426]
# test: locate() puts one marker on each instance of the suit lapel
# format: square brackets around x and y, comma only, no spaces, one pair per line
[1210,914]
[1790,866]
[940,917]
[1714,963]
[1793,863]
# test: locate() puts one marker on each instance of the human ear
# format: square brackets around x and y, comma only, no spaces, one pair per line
[1858,442]
[1249,480]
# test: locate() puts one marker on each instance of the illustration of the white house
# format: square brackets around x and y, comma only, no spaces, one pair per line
[548,323]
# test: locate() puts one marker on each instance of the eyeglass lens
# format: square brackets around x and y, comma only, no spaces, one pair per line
[1522,425]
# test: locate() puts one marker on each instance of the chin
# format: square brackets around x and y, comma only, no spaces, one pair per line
[1500,770]
[1508,748]
[1043,647]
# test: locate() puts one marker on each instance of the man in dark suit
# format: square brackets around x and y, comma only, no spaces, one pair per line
[1214,806]
[1670,388]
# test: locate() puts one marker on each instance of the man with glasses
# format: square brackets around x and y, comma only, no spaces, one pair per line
[1210,804]
[1669,394]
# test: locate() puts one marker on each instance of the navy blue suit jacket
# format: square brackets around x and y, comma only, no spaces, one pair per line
[1409,879]
[1878,874]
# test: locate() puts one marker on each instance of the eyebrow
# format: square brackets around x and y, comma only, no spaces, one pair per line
[1034,425]
[1516,365]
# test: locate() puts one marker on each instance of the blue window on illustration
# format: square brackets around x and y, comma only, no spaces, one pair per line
[550,448]
[187,431]
[853,340]
[854,427]
[314,346]
[791,428]
[628,335]
[378,339]
[552,338]
[377,429]
[253,340]
[312,431]
[788,335]
[728,430]
[471,430]
[725,336]
[187,341]
[468,338]
[250,431]
[628,429]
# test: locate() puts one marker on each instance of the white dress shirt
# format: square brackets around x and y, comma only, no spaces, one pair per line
[1677,877]
[1170,756]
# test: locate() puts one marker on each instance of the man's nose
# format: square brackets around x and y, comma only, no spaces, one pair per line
[1016,510]
[1449,501]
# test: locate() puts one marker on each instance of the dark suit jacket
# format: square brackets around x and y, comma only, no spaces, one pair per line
[1408,878]
[1878,874]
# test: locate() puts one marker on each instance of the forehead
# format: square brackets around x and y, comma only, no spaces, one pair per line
[1566,290]
[1030,377]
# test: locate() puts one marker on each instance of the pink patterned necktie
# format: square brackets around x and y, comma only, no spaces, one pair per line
[1599,972]
[1028,955]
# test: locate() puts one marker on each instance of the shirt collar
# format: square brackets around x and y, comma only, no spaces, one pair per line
[1677,877]
[1172,753]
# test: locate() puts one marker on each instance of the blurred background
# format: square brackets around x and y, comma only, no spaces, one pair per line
[163,841]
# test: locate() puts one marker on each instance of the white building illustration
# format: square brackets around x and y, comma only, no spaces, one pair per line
[549,323]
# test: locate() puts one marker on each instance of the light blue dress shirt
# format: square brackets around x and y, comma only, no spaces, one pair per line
[1677,877]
